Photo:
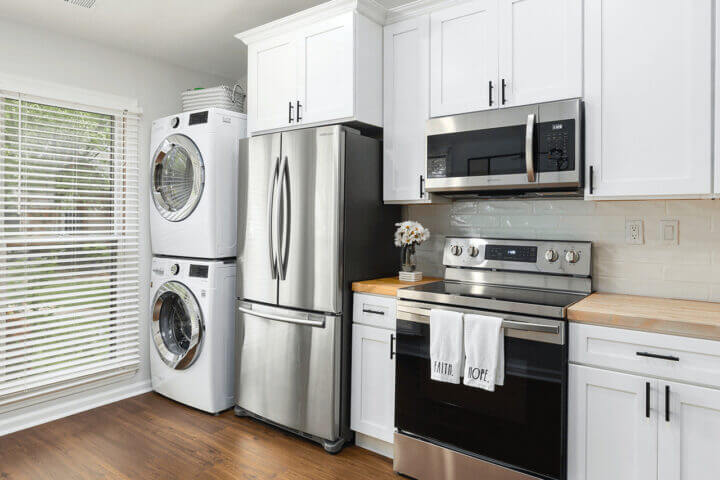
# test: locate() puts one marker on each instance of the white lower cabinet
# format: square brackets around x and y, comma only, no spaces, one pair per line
[689,437]
[372,407]
[611,436]
[625,426]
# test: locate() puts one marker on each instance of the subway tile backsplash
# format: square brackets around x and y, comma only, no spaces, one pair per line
[689,270]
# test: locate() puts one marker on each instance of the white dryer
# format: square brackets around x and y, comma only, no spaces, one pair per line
[192,330]
[194,178]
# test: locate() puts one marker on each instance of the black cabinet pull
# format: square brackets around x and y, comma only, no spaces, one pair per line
[503,91]
[667,403]
[647,399]
[298,110]
[422,180]
[591,179]
[490,87]
[655,355]
[290,110]
[392,340]
[376,312]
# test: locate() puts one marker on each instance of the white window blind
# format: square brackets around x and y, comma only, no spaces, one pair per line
[69,253]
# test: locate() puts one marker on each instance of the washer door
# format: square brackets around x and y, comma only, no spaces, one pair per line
[177,325]
[178,176]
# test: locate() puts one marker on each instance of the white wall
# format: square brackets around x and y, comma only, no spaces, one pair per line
[689,270]
[38,54]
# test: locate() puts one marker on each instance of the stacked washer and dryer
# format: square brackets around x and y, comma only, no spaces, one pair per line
[193,229]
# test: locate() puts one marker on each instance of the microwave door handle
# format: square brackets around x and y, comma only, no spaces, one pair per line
[529,150]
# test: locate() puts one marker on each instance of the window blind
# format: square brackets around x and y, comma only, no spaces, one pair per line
[69,251]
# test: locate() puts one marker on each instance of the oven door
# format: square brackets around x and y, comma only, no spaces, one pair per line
[533,147]
[522,425]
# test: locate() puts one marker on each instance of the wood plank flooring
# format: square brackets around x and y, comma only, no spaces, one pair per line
[151,437]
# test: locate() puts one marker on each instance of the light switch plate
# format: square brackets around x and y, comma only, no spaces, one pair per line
[634,234]
[669,231]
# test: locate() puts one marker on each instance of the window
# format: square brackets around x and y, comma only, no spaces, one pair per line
[69,252]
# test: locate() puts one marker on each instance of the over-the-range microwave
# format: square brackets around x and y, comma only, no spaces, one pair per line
[531,150]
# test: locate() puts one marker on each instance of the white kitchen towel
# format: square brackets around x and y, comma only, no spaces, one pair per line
[484,352]
[446,345]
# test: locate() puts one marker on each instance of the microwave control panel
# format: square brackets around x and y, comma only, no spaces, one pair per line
[555,146]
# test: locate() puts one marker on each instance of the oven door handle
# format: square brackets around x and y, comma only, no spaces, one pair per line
[507,324]
[531,327]
[529,148]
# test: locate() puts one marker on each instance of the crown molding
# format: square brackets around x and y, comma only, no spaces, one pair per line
[418,7]
[370,8]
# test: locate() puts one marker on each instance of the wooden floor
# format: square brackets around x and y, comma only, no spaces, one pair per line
[151,437]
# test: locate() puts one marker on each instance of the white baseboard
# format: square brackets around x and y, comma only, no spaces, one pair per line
[12,421]
[374,445]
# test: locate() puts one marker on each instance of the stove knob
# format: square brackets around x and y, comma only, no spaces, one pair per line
[551,255]
[473,251]
[572,256]
[456,250]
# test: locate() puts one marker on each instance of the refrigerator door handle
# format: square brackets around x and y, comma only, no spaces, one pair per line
[284,247]
[271,213]
[280,318]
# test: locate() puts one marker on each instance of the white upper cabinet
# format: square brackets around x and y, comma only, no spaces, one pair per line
[272,77]
[320,66]
[406,109]
[540,50]
[325,68]
[464,67]
[502,53]
[648,98]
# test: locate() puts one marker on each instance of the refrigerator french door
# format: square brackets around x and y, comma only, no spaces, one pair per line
[290,292]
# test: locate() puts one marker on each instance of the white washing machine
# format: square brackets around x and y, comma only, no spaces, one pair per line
[192,330]
[193,183]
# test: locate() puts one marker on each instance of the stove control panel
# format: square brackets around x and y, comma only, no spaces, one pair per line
[543,256]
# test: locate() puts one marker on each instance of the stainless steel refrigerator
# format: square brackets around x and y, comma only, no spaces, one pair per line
[311,221]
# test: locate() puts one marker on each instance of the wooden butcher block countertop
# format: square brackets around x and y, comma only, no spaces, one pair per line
[659,315]
[388,286]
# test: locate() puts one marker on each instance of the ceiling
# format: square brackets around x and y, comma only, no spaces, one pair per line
[195,34]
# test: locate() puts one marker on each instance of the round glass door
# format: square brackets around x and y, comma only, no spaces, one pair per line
[177,325]
[178,177]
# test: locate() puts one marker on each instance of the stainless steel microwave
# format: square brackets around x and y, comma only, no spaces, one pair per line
[531,150]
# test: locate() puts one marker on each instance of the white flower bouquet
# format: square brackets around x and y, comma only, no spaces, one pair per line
[410,233]
[407,235]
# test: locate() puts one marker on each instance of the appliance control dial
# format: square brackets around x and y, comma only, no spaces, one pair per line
[174,269]
[456,250]
[551,255]
[572,256]
[473,251]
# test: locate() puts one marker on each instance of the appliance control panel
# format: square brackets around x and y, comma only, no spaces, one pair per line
[543,256]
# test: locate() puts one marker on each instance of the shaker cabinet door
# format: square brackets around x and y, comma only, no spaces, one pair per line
[648,97]
[464,58]
[406,102]
[540,50]
[272,83]
[326,70]
[372,409]
[612,421]
[689,432]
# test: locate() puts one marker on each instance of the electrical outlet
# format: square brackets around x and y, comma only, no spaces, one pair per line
[634,234]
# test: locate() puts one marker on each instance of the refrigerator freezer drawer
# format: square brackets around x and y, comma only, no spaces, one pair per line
[289,368]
